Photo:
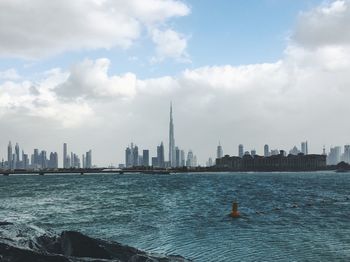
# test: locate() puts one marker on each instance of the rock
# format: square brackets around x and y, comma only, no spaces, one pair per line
[69,246]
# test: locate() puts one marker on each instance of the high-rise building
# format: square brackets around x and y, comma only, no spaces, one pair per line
[9,156]
[43,159]
[182,158]
[266,150]
[304,148]
[145,157]
[17,153]
[334,155]
[177,154]
[189,161]
[25,161]
[172,153]
[65,157]
[219,151]
[135,156]
[160,155]
[240,150]
[88,159]
[346,154]
[83,159]
[128,157]
[53,161]
[36,159]
[154,161]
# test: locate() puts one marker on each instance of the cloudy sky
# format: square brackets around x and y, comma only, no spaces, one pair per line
[99,74]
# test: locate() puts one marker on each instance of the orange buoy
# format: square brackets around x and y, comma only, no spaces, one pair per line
[235,213]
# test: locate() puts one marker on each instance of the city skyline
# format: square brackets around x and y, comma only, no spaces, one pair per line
[278,79]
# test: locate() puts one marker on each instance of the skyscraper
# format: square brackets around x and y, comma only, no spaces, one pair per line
[128,157]
[9,156]
[17,154]
[177,156]
[240,150]
[304,148]
[145,157]
[266,151]
[88,159]
[160,155]
[219,151]
[172,153]
[65,162]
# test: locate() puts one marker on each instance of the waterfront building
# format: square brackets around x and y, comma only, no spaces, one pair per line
[53,161]
[304,148]
[132,156]
[145,157]
[334,155]
[189,161]
[83,160]
[65,162]
[154,162]
[88,159]
[177,157]
[17,153]
[278,162]
[240,150]
[172,153]
[135,157]
[346,154]
[160,155]
[266,150]
[9,156]
[128,157]
[219,151]
[43,159]
[182,158]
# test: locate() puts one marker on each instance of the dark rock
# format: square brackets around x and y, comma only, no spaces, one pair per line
[14,254]
[70,246]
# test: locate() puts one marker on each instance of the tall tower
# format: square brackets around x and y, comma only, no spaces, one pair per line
[172,153]
[65,164]
[219,151]
[9,156]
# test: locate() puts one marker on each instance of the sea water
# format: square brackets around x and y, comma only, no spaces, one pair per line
[285,216]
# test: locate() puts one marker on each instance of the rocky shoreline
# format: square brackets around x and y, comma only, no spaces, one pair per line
[20,243]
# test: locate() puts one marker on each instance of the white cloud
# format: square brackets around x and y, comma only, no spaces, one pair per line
[90,79]
[170,44]
[26,100]
[10,74]
[324,25]
[41,28]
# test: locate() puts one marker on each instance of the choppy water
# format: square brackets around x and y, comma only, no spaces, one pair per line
[286,216]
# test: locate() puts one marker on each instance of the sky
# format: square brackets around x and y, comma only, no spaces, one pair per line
[100,74]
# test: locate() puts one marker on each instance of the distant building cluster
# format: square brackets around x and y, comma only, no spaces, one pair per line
[176,157]
[17,159]
[43,160]
[72,160]
[335,155]
[280,162]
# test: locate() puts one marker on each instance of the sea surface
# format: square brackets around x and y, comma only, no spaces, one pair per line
[285,216]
